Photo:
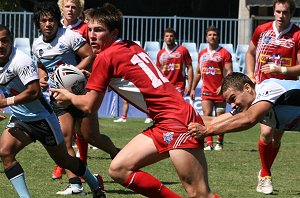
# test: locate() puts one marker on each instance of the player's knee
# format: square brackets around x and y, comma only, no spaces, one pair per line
[117,172]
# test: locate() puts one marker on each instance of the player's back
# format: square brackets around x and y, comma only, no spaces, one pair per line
[137,79]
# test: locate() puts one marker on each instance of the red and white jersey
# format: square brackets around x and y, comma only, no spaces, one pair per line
[273,47]
[129,71]
[173,64]
[80,27]
[211,67]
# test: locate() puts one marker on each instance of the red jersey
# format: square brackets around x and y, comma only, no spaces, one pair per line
[173,64]
[80,27]
[129,71]
[280,48]
[211,67]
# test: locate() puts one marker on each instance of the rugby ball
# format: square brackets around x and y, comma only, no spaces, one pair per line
[70,78]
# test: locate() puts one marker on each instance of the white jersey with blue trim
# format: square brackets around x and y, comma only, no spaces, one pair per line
[14,76]
[285,97]
[61,50]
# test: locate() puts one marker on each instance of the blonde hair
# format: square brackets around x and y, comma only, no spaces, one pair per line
[80,4]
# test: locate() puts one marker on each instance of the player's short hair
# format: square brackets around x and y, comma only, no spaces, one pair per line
[291,3]
[44,8]
[87,14]
[170,30]
[10,35]
[236,81]
[80,3]
[108,15]
[212,28]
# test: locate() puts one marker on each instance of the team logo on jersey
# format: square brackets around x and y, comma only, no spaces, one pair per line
[211,70]
[41,52]
[263,94]
[62,46]
[168,137]
[266,39]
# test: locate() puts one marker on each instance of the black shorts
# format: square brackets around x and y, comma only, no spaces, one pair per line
[47,131]
[60,110]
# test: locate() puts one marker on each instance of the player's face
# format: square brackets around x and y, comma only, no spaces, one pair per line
[5,46]
[282,15]
[212,38]
[100,36]
[239,99]
[70,11]
[169,38]
[48,26]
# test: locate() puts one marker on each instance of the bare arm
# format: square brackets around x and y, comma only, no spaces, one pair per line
[43,76]
[190,75]
[292,71]
[196,79]
[89,103]
[87,57]
[227,123]
[250,61]
[31,93]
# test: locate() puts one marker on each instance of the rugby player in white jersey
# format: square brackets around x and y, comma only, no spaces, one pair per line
[32,119]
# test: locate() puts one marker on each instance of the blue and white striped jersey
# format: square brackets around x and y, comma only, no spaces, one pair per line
[14,76]
[59,51]
[285,97]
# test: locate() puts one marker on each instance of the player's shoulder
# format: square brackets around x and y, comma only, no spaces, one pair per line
[265,26]
[21,57]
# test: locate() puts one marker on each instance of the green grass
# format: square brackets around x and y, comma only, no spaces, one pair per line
[232,172]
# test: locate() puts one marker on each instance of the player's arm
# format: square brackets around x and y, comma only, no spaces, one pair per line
[87,57]
[190,75]
[273,69]
[31,93]
[250,61]
[43,76]
[89,103]
[196,79]
[227,123]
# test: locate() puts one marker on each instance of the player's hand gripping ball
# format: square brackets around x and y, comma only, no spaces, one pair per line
[70,78]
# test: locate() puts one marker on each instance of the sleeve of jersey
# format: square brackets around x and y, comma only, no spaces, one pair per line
[101,74]
[268,91]
[256,35]
[158,64]
[227,57]
[187,57]
[76,40]
[26,69]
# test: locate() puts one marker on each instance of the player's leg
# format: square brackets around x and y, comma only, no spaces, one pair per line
[138,153]
[67,123]
[265,152]
[207,108]
[60,155]
[89,127]
[194,177]
[220,108]
[125,109]
[276,143]
[12,141]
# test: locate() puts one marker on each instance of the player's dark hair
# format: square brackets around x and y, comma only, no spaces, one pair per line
[212,28]
[44,8]
[10,35]
[236,81]
[108,15]
[291,3]
[170,30]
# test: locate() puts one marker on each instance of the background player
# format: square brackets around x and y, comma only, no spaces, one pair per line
[277,43]
[214,63]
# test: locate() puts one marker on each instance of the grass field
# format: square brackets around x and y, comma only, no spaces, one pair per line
[232,172]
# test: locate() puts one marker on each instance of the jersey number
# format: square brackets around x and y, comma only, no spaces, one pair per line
[142,59]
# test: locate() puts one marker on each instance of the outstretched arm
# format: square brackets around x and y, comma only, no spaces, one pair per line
[227,123]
